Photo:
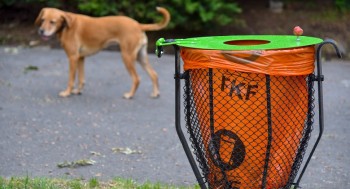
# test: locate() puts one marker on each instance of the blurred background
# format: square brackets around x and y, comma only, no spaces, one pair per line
[190,18]
[32,113]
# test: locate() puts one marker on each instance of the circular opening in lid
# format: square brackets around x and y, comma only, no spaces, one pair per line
[247,42]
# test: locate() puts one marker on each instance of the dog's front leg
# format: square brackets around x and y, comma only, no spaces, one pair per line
[81,77]
[73,61]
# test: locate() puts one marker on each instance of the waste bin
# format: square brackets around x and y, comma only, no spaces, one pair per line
[249,107]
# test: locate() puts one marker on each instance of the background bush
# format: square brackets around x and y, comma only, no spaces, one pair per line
[343,5]
[190,15]
[187,14]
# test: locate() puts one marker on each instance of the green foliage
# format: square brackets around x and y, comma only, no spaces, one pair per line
[76,184]
[98,7]
[7,2]
[50,183]
[342,5]
[93,183]
[51,3]
[186,14]
[210,12]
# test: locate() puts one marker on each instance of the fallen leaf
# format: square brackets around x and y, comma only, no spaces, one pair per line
[64,164]
[95,153]
[75,164]
[11,50]
[84,162]
[126,151]
[30,68]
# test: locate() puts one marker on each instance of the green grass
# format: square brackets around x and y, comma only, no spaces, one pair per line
[53,183]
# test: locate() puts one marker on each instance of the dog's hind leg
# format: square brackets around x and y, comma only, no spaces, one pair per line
[81,77]
[144,61]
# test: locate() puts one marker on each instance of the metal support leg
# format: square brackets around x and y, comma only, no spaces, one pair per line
[178,119]
[319,78]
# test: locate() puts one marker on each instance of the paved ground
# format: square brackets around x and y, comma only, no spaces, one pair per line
[39,130]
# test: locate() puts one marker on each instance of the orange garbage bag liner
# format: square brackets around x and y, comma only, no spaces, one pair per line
[252,108]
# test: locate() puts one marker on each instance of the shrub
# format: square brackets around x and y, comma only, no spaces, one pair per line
[343,5]
[186,14]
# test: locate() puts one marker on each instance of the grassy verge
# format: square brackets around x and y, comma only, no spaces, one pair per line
[52,183]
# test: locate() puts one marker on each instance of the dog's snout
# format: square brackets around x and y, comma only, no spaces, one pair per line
[41,31]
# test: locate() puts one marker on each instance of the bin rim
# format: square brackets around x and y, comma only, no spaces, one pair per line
[243,42]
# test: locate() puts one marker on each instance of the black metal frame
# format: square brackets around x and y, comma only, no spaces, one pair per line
[319,78]
[178,76]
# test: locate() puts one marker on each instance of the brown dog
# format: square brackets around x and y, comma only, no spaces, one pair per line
[81,36]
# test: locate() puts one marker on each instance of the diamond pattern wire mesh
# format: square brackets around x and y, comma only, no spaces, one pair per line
[248,130]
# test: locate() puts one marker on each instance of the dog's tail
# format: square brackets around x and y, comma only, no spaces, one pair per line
[160,25]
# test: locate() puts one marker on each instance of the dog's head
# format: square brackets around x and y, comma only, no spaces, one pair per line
[51,21]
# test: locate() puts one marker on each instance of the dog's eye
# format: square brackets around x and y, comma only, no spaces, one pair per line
[52,22]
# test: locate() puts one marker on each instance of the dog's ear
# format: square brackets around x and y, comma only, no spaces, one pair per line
[38,19]
[67,18]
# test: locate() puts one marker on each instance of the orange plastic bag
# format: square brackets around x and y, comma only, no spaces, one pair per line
[296,61]
[251,107]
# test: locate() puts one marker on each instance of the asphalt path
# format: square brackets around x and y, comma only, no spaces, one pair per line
[39,130]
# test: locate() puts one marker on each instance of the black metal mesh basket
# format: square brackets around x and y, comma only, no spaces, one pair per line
[248,130]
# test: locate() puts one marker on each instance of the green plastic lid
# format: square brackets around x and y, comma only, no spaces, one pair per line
[243,42]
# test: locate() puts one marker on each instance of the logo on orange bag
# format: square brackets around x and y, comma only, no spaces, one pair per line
[227,150]
[239,86]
